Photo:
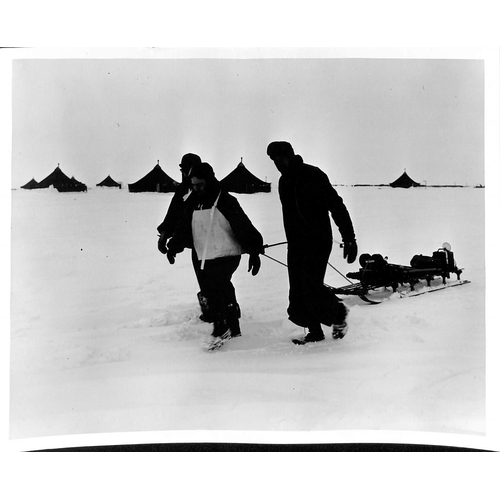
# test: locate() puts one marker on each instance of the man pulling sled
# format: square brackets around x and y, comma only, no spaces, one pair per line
[214,225]
[308,199]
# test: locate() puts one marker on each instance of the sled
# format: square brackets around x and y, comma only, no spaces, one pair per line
[377,273]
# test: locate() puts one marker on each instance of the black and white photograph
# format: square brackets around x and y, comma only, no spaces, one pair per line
[112,332]
[249,246]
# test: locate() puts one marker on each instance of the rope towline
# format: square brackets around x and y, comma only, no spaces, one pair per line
[339,243]
[276,244]
[345,277]
[351,289]
[275,260]
[283,264]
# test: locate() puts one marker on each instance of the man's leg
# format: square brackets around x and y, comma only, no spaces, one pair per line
[221,294]
[206,313]
[311,302]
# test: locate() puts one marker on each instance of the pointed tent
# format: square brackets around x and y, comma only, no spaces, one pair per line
[155,181]
[405,181]
[241,180]
[61,182]
[32,184]
[109,182]
[74,186]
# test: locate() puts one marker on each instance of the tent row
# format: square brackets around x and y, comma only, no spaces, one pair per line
[59,180]
[240,180]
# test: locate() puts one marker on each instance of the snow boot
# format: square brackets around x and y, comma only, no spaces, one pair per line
[339,329]
[233,315]
[226,323]
[314,334]
[206,318]
[206,313]
[221,328]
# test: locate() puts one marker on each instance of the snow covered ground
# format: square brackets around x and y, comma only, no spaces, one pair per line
[105,335]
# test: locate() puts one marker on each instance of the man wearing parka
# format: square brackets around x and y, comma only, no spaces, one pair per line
[219,231]
[308,200]
[175,209]
[172,217]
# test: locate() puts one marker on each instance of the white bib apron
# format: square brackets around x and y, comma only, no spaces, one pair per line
[212,235]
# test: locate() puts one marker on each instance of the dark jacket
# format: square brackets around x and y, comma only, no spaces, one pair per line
[175,210]
[246,234]
[308,199]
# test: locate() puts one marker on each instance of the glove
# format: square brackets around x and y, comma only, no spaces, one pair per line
[171,256]
[350,251]
[162,243]
[254,263]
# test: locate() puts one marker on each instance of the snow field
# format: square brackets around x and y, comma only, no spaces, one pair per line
[106,337]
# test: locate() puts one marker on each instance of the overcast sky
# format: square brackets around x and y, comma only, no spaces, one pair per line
[361,120]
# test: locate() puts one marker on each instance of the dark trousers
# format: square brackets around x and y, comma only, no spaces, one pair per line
[310,302]
[196,265]
[216,286]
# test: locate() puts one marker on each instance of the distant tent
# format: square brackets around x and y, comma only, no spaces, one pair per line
[241,180]
[32,184]
[61,182]
[405,181]
[155,181]
[109,182]
[74,186]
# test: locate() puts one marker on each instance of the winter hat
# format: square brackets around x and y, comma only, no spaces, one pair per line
[202,171]
[280,148]
[188,161]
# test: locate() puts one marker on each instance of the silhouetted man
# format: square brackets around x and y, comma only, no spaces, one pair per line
[308,199]
[174,214]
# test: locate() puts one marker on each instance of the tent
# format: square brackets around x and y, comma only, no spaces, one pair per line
[405,181]
[32,184]
[155,181]
[61,182]
[241,180]
[109,182]
[74,186]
